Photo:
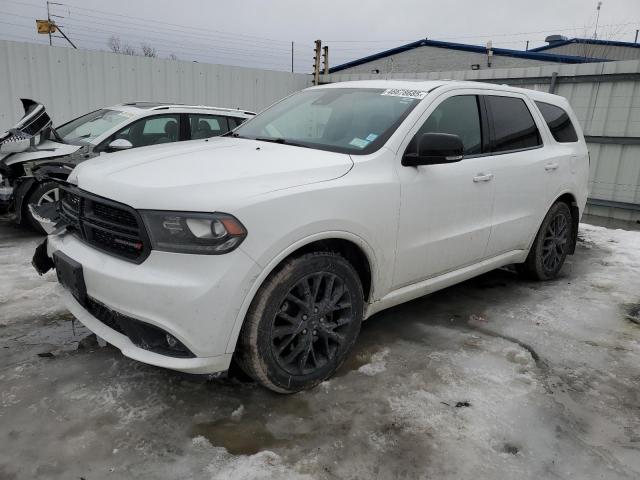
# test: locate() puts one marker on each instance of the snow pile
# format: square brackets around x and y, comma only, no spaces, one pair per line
[377,364]
[262,465]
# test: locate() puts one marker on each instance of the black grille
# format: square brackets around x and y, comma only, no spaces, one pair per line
[110,226]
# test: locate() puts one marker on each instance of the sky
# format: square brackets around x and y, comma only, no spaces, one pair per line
[258,33]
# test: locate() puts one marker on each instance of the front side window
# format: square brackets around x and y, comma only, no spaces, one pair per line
[151,131]
[558,122]
[458,116]
[345,120]
[90,126]
[513,125]
[205,126]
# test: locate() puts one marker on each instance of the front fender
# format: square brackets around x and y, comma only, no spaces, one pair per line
[275,261]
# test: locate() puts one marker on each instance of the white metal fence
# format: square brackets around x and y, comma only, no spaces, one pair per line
[606,99]
[73,82]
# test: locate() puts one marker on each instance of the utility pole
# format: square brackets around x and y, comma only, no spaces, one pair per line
[325,59]
[49,20]
[489,53]
[595,32]
[636,40]
[527,49]
[291,57]
[316,62]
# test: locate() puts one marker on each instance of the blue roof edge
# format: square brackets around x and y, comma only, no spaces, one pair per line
[587,41]
[532,55]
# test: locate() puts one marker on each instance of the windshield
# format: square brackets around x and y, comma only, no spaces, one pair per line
[345,120]
[92,125]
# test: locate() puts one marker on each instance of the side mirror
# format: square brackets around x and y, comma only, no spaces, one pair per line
[120,144]
[434,148]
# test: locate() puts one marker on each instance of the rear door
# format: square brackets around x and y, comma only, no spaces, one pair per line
[518,166]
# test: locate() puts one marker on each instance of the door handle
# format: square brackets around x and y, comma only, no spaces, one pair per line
[549,167]
[482,177]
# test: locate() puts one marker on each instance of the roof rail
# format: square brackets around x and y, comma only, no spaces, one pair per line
[202,107]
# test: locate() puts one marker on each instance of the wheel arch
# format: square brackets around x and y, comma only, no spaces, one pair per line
[570,200]
[349,245]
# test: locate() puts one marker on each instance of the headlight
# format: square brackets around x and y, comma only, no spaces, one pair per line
[186,232]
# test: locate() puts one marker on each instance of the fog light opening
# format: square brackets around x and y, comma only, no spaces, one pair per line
[172,341]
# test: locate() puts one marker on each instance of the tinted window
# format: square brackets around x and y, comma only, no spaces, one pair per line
[235,122]
[205,126]
[559,123]
[458,116]
[151,131]
[513,125]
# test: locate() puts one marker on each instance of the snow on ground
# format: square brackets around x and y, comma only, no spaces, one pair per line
[493,378]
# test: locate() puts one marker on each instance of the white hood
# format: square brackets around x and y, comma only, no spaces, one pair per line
[202,175]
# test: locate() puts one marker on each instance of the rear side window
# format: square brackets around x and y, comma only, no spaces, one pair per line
[559,123]
[206,126]
[513,125]
[235,122]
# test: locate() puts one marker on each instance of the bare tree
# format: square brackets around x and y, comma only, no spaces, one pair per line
[116,46]
[173,56]
[128,50]
[148,50]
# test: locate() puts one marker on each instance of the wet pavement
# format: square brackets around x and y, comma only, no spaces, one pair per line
[493,378]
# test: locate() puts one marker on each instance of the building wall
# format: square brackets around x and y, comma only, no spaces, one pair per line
[73,82]
[606,100]
[435,59]
[609,52]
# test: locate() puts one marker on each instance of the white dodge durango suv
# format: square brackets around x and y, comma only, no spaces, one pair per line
[271,245]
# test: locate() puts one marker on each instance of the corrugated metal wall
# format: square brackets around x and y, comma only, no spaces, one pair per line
[605,96]
[606,99]
[73,82]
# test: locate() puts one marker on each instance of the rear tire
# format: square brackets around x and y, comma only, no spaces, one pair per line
[302,323]
[45,192]
[551,245]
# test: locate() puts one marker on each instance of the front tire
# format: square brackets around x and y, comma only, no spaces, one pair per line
[45,192]
[303,322]
[551,245]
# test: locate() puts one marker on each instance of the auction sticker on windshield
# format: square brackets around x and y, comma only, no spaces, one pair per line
[401,92]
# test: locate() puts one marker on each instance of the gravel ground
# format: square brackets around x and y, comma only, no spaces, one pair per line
[493,378]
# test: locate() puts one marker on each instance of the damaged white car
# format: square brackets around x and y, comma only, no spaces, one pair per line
[33,152]
[273,243]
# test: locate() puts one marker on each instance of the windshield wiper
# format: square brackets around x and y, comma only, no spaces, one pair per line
[281,141]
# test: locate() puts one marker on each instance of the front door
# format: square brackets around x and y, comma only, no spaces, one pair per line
[445,213]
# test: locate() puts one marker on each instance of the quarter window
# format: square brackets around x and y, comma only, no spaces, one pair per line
[458,116]
[206,126]
[513,125]
[559,123]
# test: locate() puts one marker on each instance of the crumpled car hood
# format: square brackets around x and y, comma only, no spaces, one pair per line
[31,130]
[46,149]
[203,175]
